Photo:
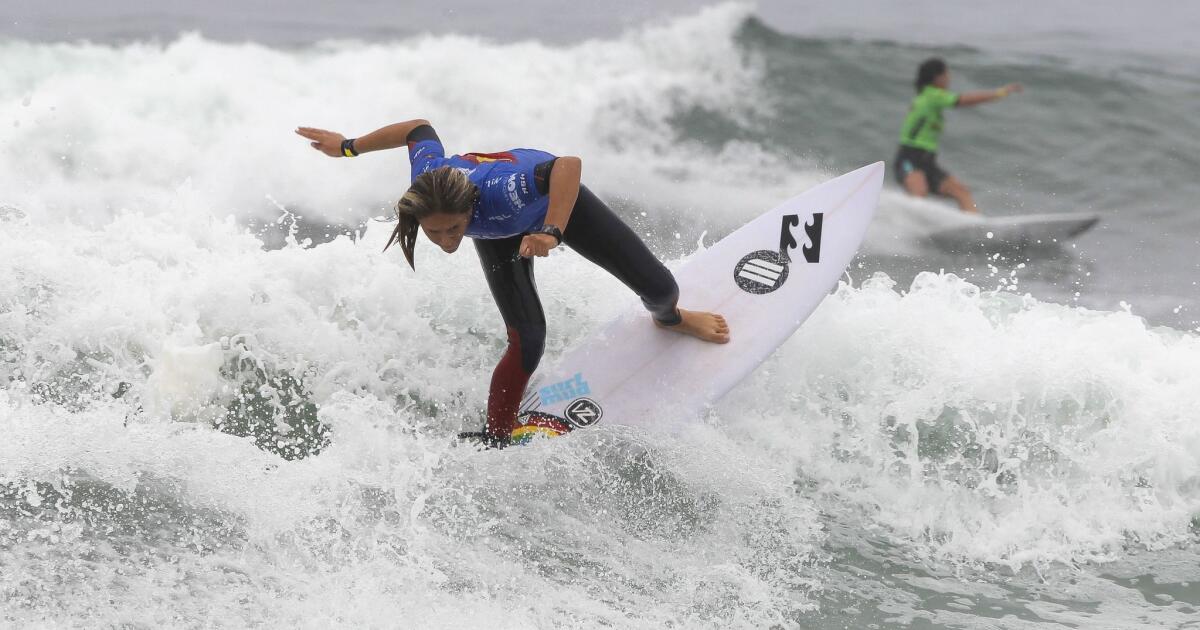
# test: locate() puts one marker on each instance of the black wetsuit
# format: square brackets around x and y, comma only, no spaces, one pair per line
[597,234]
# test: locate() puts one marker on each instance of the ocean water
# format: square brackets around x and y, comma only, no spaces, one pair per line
[221,405]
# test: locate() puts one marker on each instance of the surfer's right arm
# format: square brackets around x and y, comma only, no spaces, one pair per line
[968,99]
[335,144]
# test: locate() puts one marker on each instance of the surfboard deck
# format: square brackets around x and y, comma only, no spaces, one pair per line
[766,278]
[1015,232]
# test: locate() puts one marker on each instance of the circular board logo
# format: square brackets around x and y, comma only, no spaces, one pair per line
[583,412]
[761,272]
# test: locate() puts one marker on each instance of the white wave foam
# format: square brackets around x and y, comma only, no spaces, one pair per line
[985,425]
[90,130]
[964,424]
[985,420]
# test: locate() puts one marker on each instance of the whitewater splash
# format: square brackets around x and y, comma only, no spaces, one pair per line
[198,430]
[218,119]
[979,426]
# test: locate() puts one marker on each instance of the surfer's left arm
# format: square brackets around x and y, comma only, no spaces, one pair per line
[334,144]
[967,99]
[564,191]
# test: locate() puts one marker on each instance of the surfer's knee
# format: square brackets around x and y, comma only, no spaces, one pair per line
[915,184]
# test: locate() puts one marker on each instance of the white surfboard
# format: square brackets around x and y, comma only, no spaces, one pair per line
[1014,232]
[766,278]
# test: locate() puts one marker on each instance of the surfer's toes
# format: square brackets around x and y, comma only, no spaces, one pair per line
[706,326]
[720,330]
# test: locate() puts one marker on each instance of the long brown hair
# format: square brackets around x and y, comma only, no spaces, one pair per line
[444,190]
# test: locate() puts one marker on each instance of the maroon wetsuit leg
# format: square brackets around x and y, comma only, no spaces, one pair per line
[509,380]
[510,278]
[596,233]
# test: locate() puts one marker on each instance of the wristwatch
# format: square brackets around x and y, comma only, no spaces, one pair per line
[552,230]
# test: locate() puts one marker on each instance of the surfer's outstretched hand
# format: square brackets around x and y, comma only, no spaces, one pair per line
[707,326]
[327,142]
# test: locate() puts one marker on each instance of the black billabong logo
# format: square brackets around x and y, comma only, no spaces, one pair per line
[583,412]
[764,271]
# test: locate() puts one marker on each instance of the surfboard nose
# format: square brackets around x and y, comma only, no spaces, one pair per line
[875,170]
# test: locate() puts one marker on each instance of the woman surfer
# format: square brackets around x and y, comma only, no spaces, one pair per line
[916,161]
[516,205]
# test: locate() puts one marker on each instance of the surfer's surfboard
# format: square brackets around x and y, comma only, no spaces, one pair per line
[766,278]
[1015,232]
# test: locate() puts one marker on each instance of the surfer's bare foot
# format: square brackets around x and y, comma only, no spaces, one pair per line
[707,326]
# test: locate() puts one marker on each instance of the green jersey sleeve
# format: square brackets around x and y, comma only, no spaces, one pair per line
[941,98]
[923,126]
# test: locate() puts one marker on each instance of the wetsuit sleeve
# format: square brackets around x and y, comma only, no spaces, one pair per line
[541,176]
[537,166]
[424,149]
[511,190]
[422,133]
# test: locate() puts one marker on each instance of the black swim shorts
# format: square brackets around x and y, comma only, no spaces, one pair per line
[909,159]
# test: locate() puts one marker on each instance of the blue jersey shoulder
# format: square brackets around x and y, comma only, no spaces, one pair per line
[509,201]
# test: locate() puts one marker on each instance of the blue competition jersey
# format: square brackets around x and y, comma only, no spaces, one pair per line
[509,202]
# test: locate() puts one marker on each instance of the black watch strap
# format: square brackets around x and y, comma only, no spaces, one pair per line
[552,230]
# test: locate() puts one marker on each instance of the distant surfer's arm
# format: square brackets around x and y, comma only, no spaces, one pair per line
[968,99]
[564,191]
[332,143]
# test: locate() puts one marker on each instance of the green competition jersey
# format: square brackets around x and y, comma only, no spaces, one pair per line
[923,125]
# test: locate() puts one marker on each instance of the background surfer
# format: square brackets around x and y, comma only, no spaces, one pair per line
[515,205]
[916,160]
